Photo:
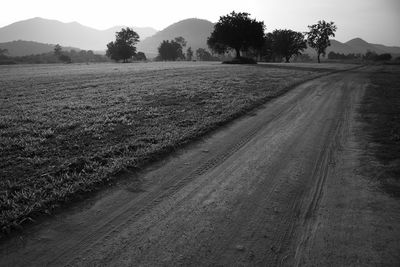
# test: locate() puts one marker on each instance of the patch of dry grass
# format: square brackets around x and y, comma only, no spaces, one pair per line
[65,130]
[381,115]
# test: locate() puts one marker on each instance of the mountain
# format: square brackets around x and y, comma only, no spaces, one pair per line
[356,46]
[361,46]
[24,48]
[42,33]
[195,32]
[66,34]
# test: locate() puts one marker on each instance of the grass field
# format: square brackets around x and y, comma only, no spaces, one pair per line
[381,115]
[67,129]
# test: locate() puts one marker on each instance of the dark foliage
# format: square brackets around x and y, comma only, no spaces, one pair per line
[333,55]
[236,31]
[318,36]
[3,52]
[384,57]
[123,48]
[372,56]
[82,56]
[58,50]
[140,56]
[189,54]
[203,55]
[65,59]
[171,50]
[61,55]
[286,43]
[180,40]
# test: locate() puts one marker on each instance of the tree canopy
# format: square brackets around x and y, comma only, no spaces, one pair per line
[61,55]
[236,31]
[189,54]
[57,50]
[172,50]
[286,43]
[203,55]
[318,36]
[123,47]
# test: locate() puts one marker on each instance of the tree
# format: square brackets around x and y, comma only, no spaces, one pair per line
[266,49]
[238,32]
[3,52]
[287,43]
[180,40]
[124,45]
[140,56]
[57,50]
[318,36]
[203,55]
[189,54]
[384,57]
[170,50]
[60,55]
[65,58]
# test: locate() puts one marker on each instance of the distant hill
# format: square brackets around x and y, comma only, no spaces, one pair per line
[357,46]
[66,34]
[24,48]
[41,35]
[195,32]
[361,46]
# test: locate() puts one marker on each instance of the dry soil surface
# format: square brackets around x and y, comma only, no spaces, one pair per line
[281,186]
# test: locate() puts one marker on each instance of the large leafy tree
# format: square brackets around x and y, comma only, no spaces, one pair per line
[236,31]
[318,36]
[123,47]
[287,43]
[170,50]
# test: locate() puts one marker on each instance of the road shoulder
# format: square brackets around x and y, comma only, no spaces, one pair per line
[357,222]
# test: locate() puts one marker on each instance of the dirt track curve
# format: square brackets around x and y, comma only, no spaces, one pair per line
[248,194]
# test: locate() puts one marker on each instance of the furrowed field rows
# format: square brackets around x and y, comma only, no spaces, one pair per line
[66,129]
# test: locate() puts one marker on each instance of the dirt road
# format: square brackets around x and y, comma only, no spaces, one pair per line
[278,187]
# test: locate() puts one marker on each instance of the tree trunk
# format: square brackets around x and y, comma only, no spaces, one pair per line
[319,61]
[287,59]
[237,52]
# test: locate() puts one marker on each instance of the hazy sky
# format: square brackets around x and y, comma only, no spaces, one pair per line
[376,21]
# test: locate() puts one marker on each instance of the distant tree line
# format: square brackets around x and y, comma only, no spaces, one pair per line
[172,50]
[373,56]
[72,56]
[234,33]
[338,56]
[369,56]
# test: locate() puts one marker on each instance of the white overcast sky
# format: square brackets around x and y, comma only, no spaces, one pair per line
[376,21]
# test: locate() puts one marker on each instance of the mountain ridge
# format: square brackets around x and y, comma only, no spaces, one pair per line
[25,48]
[194,30]
[71,34]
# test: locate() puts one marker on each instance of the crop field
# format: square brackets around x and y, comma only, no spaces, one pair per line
[67,129]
